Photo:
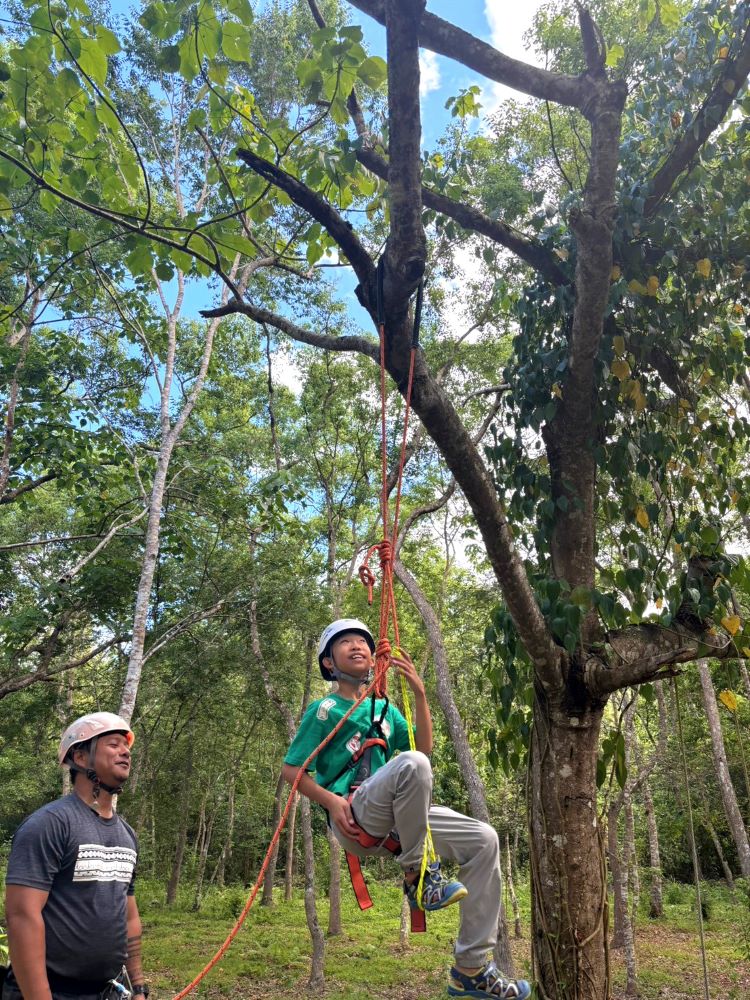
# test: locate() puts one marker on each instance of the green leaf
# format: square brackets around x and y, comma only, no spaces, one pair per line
[235,42]
[108,41]
[235,243]
[373,72]
[76,240]
[614,54]
[93,60]
[48,201]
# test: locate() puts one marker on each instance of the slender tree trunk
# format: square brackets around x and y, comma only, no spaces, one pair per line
[745,678]
[278,805]
[202,860]
[289,868]
[226,851]
[184,815]
[517,933]
[728,877]
[656,904]
[316,981]
[619,876]
[334,893]
[728,796]
[631,869]
[179,853]
[404,926]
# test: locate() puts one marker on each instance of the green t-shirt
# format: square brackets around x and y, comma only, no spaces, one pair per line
[320,719]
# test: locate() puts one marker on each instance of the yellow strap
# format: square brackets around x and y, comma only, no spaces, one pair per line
[428,854]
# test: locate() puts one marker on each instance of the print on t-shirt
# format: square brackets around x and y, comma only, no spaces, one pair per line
[96,863]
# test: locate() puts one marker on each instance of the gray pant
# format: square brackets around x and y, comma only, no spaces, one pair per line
[397,797]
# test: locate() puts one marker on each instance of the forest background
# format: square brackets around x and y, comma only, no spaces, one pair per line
[185,500]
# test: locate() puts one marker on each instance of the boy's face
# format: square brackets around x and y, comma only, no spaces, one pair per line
[350,653]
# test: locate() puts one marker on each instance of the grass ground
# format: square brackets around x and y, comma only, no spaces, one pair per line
[270,956]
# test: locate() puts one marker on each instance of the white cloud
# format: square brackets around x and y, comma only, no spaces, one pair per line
[508,22]
[429,72]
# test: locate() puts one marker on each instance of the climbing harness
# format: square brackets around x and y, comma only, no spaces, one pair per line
[388,618]
[361,763]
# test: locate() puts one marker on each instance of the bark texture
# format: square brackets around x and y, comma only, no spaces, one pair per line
[728,795]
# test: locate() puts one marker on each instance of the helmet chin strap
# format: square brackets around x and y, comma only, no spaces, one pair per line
[341,676]
[94,778]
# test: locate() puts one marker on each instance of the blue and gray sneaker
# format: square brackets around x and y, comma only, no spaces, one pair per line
[437,890]
[487,983]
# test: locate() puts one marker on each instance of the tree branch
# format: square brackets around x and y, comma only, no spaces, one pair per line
[406,247]
[19,683]
[361,344]
[324,213]
[27,487]
[700,128]
[475,221]
[448,40]
[647,652]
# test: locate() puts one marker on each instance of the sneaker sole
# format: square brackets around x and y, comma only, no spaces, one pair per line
[454,898]
[459,991]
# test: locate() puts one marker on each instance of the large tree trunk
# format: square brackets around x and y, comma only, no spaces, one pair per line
[728,796]
[316,982]
[569,891]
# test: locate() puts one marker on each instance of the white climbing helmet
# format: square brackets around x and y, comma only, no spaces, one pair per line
[335,629]
[89,726]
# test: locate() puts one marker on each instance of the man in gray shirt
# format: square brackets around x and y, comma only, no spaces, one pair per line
[71,913]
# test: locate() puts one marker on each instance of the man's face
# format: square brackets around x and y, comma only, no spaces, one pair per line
[112,761]
[350,653]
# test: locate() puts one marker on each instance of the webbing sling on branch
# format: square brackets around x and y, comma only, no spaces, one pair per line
[388,619]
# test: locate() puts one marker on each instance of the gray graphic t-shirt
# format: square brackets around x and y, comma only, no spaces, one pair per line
[87,865]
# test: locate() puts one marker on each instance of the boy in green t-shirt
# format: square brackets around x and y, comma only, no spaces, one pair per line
[395,798]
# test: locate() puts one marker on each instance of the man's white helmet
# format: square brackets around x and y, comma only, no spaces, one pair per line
[89,726]
[335,629]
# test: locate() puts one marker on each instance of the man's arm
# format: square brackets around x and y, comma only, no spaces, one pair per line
[135,931]
[423,720]
[338,807]
[26,940]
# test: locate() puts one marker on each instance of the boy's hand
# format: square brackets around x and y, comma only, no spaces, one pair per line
[402,662]
[341,814]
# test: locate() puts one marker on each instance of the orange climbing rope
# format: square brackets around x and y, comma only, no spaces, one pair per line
[386,547]
[388,617]
[274,841]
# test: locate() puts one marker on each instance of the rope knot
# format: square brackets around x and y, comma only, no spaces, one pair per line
[385,551]
[366,575]
[382,662]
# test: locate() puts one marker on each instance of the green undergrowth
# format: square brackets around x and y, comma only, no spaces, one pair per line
[270,957]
